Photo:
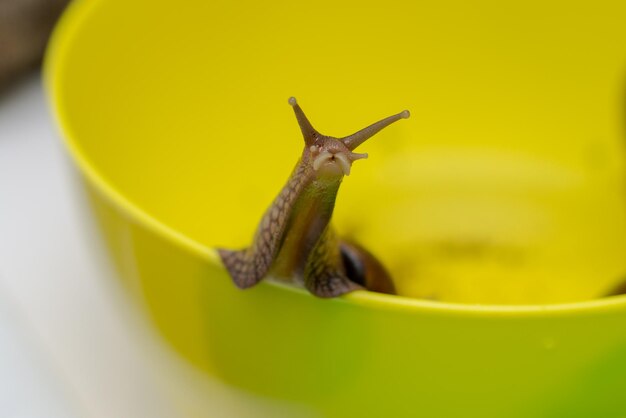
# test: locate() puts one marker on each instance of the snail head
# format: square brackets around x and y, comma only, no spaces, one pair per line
[333,157]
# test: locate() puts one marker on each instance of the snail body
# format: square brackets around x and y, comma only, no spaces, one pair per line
[295,240]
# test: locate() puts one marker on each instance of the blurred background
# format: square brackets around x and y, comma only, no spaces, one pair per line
[66,348]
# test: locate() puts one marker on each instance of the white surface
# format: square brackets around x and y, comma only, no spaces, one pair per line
[28,388]
[60,296]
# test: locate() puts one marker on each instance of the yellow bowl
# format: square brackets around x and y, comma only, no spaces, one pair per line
[503,192]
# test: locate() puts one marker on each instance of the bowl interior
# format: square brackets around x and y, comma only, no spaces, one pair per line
[505,186]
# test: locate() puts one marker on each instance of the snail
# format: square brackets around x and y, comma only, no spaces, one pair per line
[295,241]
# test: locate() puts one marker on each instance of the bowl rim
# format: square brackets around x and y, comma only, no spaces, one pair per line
[69,25]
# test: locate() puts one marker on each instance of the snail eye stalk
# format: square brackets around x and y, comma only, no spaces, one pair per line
[357,138]
[309,133]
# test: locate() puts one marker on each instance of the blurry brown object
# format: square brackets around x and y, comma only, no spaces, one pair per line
[618,290]
[25,26]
